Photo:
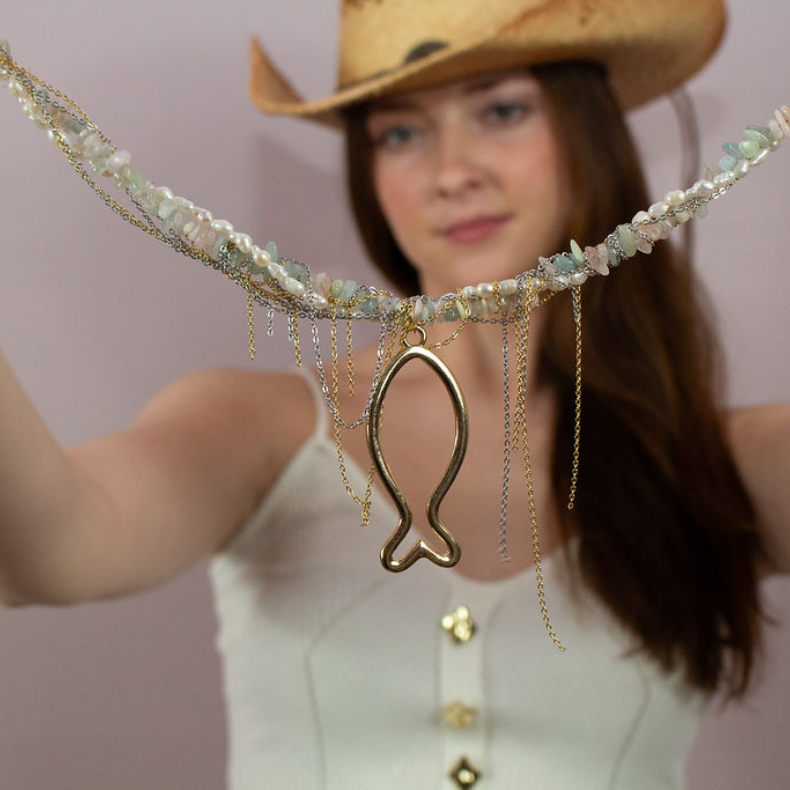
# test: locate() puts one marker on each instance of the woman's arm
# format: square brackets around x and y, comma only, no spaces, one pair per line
[760,438]
[131,510]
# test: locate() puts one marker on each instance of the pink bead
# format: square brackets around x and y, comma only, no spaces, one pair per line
[599,264]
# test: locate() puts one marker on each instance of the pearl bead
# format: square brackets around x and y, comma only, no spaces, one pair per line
[641,216]
[508,287]
[276,270]
[203,216]
[221,227]
[741,169]
[242,242]
[579,278]
[469,291]
[261,257]
[485,289]
[724,179]
[756,161]
[293,286]
[675,198]
[658,210]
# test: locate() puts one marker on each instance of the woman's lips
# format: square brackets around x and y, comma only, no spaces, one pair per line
[474,229]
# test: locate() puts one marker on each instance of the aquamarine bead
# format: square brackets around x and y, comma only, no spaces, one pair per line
[565,263]
[749,148]
[732,150]
[348,291]
[576,253]
[727,162]
[613,259]
[627,240]
[763,130]
[758,137]
[369,305]
[336,288]
[271,248]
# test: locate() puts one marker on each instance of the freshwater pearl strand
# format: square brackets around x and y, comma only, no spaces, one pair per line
[288,285]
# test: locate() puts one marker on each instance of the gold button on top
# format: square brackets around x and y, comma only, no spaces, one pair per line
[464,773]
[456,714]
[459,625]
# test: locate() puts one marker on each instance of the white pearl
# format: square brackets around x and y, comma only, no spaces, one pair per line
[485,289]
[641,216]
[786,112]
[757,160]
[293,286]
[202,215]
[242,242]
[742,168]
[578,278]
[724,179]
[221,227]
[657,210]
[276,270]
[183,203]
[469,291]
[319,301]
[675,198]
[261,257]
[508,287]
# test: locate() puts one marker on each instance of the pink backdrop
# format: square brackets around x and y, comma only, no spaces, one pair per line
[95,318]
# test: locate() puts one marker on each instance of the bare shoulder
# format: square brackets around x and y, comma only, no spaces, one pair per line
[267,414]
[760,438]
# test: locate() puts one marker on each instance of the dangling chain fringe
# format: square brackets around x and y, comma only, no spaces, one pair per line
[576,295]
[251,324]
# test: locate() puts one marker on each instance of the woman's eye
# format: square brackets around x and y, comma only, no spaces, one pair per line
[506,112]
[395,137]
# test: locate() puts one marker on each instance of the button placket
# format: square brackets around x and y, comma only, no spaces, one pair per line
[461,661]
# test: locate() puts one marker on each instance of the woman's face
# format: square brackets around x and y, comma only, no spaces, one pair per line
[469,178]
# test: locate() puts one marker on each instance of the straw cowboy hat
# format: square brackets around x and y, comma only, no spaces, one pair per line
[388,46]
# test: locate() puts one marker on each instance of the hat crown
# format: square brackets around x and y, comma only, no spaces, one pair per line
[380,36]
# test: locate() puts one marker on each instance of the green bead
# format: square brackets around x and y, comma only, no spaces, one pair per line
[627,240]
[758,137]
[348,291]
[727,162]
[337,288]
[565,263]
[749,148]
[576,253]
[271,248]
[613,259]
[732,150]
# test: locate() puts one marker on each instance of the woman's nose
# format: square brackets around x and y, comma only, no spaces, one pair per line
[458,166]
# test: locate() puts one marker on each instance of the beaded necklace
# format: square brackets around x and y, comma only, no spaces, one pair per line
[287,286]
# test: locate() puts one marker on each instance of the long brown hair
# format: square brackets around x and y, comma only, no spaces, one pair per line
[668,538]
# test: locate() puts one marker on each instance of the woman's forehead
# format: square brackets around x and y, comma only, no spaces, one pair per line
[468,86]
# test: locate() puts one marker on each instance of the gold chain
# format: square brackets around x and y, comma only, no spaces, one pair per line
[520,426]
[295,329]
[363,502]
[349,358]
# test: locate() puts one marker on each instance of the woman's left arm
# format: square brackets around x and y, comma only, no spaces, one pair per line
[760,437]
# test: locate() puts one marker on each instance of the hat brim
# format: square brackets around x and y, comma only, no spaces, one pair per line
[648,49]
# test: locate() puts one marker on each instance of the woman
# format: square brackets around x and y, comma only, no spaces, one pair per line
[474,180]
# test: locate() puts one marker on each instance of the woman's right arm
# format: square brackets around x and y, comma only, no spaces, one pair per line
[131,510]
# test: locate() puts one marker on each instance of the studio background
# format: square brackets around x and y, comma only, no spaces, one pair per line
[95,318]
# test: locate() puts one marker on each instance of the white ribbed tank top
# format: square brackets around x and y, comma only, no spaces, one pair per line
[337,673]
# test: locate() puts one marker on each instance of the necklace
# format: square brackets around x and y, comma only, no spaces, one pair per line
[288,287]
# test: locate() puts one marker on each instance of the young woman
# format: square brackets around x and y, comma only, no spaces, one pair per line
[488,143]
